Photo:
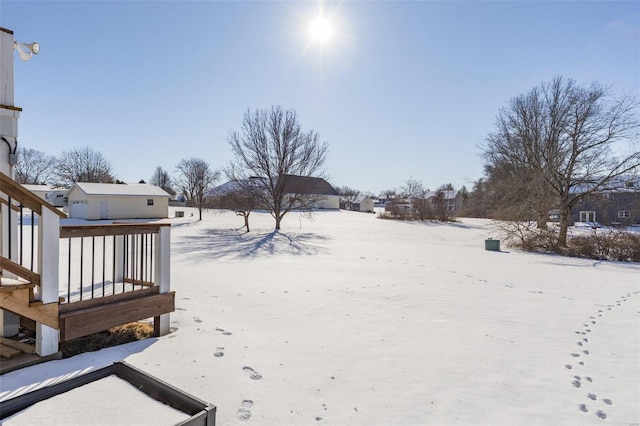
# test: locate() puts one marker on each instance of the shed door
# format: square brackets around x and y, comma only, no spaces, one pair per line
[104,209]
[79,209]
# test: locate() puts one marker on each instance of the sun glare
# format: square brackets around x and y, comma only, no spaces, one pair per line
[321,30]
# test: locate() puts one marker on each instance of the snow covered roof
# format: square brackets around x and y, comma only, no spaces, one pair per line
[124,190]
[37,188]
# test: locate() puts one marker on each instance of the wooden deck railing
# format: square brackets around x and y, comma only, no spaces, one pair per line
[44,273]
[104,260]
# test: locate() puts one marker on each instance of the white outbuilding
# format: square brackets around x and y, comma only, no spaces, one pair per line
[97,201]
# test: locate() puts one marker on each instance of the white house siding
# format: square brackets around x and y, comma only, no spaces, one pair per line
[327,202]
[366,205]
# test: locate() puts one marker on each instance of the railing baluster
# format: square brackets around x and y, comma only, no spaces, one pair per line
[113,269]
[124,265]
[69,274]
[104,262]
[81,264]
[93,264]
[151,262]
[9,232]
[32,237]
[21,235]
[141,259]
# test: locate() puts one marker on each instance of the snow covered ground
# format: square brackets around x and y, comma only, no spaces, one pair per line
[347,319]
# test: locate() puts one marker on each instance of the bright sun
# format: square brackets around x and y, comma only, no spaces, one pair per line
[321,30]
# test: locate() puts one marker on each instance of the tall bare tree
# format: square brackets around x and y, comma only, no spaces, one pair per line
[272,146]
[162,180]
[34,167]
[83,165]
[414,190]
[562,142]
[194,180]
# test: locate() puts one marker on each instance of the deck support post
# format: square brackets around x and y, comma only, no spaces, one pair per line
[48,260]
[162,275]
[119,259]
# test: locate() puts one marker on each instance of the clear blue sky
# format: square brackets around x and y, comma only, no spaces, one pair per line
[404,89]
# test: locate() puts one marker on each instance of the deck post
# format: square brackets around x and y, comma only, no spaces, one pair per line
[48,261]
[162,273]
[119,259]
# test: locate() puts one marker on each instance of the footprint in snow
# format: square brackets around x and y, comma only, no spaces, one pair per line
[584,408]
[607,401]
[592,396]
[219,352]
[601,414]
[253,374]
[243,412]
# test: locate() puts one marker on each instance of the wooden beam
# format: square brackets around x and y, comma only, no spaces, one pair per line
[106,300]
[8,353]
[71,231]
[21,346]
[83,322]
[30,200]
[18,303]
[19,270]
[13,206]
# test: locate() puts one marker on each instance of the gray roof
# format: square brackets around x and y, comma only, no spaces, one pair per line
[307,185]
[292,185]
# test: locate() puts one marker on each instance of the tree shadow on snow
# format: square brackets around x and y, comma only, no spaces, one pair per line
[232,243]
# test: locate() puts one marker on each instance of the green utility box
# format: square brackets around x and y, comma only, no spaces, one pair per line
[492,245]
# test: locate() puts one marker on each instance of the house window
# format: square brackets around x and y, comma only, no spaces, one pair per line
[149,201]
[624,214]
[587,216]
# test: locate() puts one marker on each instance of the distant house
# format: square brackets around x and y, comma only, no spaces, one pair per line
[327,196]
[323,194]
[449,200]
[95,201]
[40,190]
[444,201]
[361,203]
[54,196]
[618,205]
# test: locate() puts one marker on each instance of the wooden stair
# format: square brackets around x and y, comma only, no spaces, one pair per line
[16,295]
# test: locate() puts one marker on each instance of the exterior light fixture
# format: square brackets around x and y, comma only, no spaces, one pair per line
[26,50]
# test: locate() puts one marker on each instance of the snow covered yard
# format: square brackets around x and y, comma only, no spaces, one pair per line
[348,319]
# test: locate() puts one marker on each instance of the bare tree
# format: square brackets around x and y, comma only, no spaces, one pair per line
[83,165]
[195,179]
[272,147]
[562,142]
[232,196]
[414,190]
[34,167]
[162,180]
[348,196]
